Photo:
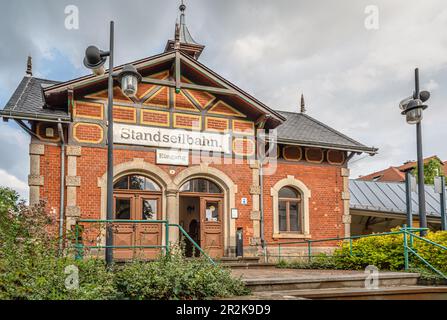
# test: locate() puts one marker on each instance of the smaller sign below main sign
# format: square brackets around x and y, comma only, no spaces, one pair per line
[173,157]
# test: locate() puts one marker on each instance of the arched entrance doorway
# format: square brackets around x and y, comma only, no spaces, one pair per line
[201,214]
[136,198]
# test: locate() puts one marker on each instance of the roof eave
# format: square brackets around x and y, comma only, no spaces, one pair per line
[370,151]
[9,114]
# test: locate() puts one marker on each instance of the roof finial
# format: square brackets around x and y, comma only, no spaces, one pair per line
[29,66]
[177,36]
[303,104]
[182,13]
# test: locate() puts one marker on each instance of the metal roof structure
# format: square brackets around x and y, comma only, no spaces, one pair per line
[185,35]
[389,197]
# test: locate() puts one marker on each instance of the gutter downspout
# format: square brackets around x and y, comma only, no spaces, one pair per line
[261,184]
[261,208]
[62,189]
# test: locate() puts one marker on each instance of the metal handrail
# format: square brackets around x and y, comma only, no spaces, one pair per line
[193,242]
[407,245]
[79,246]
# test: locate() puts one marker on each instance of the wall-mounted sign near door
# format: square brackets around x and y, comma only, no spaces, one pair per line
[173,157]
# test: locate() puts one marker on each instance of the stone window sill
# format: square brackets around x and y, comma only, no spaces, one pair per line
[291,236]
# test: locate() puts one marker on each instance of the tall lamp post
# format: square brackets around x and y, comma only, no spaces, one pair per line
[413,107]
[129,79]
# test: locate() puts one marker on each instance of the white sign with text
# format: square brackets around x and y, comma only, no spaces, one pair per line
[171,138]
[173,157]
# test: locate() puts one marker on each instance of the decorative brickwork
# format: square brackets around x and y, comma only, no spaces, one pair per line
[244,127]
[155,118]
[216,124]
[225,109]
[159,98]
[124,114]
[203,99]
[88,110]
[182,102]
[145,88]
[87,132]
[292,153]
[315,155]
[45,130]
[186,121]
[243,147]
[335,157]
[104,95]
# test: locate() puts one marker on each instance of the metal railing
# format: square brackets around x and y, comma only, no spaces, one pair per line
[408,246]
[80,246]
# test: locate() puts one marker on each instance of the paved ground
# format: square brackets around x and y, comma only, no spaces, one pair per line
[290,273]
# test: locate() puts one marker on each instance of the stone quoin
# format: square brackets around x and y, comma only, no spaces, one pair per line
[220,188]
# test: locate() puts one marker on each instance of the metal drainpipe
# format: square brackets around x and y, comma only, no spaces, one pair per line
[261,207]
[62,191]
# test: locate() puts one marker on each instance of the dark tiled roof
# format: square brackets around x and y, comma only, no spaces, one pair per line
[302,129]
[389,197]
[28,102]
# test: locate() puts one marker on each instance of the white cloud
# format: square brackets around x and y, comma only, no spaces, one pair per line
[352,78]
[10,181]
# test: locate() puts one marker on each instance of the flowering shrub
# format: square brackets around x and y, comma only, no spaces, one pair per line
[32,268]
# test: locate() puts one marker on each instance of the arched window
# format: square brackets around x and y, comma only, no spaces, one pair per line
[137,183]
[290,210]
[201,186]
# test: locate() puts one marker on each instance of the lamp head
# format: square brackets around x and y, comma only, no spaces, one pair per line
[95,60]
[129,79]
[424,96]
[413,111]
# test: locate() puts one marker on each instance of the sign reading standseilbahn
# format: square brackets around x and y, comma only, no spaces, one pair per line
[171,138]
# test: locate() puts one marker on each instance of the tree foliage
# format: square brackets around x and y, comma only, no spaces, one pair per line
[9,199]
[432,169]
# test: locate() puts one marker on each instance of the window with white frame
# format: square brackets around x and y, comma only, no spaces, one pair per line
[290,211]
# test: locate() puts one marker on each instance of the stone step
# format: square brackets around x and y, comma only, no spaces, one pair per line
[248,265]
[239,260]
[269,284]
[383,293]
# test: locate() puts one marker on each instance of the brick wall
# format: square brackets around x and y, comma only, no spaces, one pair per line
[324,181]
[325,205]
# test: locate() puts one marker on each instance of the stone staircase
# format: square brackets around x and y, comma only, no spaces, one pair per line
[245,263]
[285,284]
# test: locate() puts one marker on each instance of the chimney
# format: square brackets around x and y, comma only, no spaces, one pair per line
[303,104]
[29,67]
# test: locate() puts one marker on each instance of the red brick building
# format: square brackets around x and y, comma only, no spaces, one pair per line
[215,189]
[397,174]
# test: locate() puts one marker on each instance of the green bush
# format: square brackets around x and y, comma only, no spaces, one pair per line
[174,277]
[32,268]
[386,253]
[319,262]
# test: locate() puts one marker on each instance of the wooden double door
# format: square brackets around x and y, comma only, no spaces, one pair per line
[211,231]
[204,224]
[130,207]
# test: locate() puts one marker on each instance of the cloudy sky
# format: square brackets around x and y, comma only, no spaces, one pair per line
[352,77]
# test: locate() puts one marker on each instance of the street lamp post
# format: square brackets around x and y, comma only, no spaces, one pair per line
[129,79]
[412,107]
